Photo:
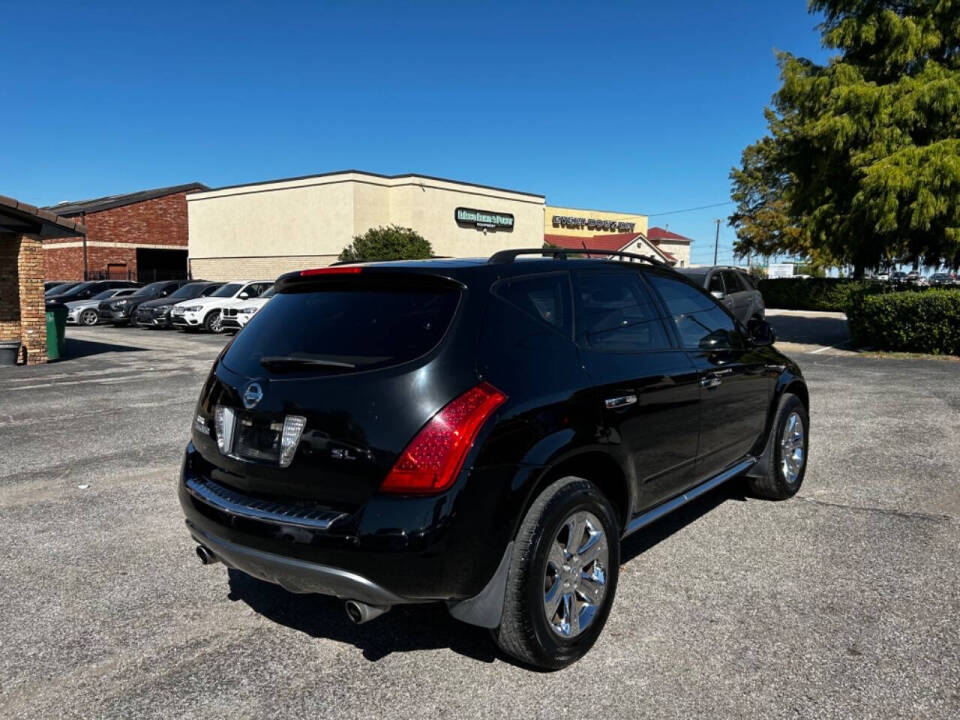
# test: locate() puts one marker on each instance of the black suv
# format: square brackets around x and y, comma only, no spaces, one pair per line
[122,311]
[481,433]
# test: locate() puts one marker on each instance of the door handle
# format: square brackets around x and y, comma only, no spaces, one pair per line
[711,381]
[619,402]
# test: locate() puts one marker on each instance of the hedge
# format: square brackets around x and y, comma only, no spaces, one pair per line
[925,322]
[816,293]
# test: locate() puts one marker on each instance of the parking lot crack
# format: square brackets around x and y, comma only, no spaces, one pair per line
[883,511]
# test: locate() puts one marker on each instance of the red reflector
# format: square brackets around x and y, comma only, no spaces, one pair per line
[432,460]
[345,270]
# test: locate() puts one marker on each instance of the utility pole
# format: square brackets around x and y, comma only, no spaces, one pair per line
[716,241]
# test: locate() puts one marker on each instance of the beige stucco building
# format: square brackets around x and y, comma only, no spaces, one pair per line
[264,229]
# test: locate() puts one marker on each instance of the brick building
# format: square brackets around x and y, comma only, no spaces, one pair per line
[23,229]
[138,236]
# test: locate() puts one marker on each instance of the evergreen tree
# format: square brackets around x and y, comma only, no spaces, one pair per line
[862,162]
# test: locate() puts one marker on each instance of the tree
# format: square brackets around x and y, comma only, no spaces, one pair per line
[861,165]
[387,243]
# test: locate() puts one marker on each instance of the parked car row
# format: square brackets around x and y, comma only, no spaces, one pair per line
[184,304]
[188,305]
[915,278]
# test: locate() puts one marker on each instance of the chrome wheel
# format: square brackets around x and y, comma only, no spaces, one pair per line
[791,448]
[575,581]
[215,323]
[89,317]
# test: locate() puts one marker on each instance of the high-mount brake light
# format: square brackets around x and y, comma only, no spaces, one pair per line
[432,460]
[345,270]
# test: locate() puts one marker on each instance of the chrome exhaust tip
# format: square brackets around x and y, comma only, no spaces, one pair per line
[360,612]
[206,555]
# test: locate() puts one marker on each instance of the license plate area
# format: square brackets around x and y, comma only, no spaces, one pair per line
[258,439]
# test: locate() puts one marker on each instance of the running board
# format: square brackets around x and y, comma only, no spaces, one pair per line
[668,507]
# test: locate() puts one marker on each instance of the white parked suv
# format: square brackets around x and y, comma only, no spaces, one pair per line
[234,318]
[206,313]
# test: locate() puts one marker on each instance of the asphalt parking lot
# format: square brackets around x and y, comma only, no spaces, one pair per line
[843,601]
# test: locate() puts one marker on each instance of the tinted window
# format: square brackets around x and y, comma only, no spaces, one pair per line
[188,292]
[228,290]
[367,327]
[747,281]
[732,280]
[702,324]
[104,294]
[151,289]
[210,290]
[615,313]
[269,292]
[545,297]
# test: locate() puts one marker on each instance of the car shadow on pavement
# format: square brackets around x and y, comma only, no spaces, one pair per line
[428,627]
[75,348]
[405,628]
[653,534]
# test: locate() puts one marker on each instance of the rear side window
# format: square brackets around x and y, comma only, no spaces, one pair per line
[545,297]
[615,313]
[700,321]
[357,328]
[716,284]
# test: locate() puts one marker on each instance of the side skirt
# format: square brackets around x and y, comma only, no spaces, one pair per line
[665,508]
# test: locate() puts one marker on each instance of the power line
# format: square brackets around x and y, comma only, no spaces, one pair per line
[693,209]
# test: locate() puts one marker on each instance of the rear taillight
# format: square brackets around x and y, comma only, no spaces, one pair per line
[432,460]
[344,270]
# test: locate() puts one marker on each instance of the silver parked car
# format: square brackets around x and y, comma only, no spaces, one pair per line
[84,312]
[733,288]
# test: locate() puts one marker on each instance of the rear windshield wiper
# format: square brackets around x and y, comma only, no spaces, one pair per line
[292,362]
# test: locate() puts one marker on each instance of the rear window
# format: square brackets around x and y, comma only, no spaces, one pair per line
[349,329]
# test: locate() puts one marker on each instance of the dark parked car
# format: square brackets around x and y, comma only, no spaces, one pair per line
[58,288]
[733,288]
[86,290]
[120,312]
[156,313]
[946,279]
[481,433]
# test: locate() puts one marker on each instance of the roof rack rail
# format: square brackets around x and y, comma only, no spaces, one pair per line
[505,257]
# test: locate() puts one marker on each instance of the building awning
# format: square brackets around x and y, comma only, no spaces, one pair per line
[25,219]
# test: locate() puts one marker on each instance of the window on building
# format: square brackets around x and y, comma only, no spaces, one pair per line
[616,314]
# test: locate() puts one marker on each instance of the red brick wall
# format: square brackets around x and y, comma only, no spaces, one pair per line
[161,221]
[67,263]
[22,313]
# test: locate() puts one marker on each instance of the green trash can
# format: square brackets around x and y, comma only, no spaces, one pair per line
[56,330]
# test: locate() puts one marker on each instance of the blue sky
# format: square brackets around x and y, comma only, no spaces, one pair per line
[638,107]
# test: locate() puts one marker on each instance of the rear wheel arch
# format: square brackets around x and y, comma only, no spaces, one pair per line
[599,468]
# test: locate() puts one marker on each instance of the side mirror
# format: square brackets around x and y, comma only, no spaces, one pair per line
[717,294]
[761,334]
[243,295]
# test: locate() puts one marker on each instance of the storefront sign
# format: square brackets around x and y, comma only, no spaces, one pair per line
[579,223]
[484,219]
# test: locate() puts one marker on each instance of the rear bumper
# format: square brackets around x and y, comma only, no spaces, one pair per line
[295,575]
[390,551]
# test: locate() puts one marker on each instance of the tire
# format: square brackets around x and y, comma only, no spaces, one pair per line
[784,472]
[212,323]
[89,318]
[526,633]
